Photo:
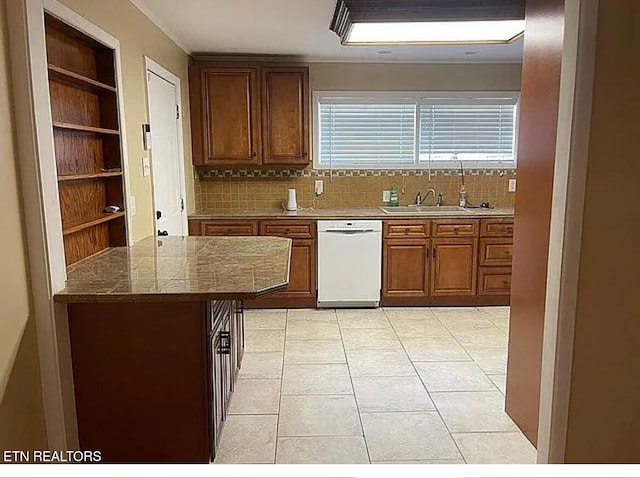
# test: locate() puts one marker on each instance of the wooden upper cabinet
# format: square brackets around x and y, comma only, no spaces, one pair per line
[285,116]
[229,116]
[454,266]
[248,114]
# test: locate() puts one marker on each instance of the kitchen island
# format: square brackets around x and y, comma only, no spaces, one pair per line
[157,334]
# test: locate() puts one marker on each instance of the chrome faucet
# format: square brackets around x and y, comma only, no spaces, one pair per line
[429,191]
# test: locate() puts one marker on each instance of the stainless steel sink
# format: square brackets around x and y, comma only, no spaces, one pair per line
[426,210]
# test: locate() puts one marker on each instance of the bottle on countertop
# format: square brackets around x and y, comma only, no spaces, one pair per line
[463,196]
[418,199]
[393,196]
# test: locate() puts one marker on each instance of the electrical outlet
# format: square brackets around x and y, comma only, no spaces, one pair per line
[132,205]
[512,185]
[146,167]
[386,196]
[319,187]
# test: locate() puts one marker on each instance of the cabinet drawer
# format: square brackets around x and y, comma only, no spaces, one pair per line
[455,228]
[496,227]
[399,229]
[293,229]
[496,252]
[229,228]
[494,281]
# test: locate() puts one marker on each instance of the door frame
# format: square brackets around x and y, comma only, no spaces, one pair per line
[565,239]
[43,221]
[155,68]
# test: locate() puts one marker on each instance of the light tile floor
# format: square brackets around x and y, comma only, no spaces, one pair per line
[393,385]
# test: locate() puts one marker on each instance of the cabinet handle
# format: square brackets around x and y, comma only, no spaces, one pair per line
[253,154]
[455,230]
[305,154]
[225,343]
[428,252]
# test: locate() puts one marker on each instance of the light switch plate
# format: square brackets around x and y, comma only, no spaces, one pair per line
[319,187]
[386,196]
[512,185]
[146,167]
[132,205]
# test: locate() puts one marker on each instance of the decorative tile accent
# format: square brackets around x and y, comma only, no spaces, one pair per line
[209,173]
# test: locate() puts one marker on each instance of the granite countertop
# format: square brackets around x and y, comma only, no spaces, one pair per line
[370,213]
[181,268]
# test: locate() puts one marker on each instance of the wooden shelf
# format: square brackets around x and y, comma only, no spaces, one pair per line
[87,129]
[76,177]
[80,225]
[69,77]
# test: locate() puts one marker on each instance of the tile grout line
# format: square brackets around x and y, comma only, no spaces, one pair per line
[284,347]
[355,398]
[465,348]
[425,388]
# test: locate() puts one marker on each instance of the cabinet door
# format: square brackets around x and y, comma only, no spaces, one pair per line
[225,355]
[217,388]
[302,275]
[454,266]
[405,271]
[230,121]
[285,116]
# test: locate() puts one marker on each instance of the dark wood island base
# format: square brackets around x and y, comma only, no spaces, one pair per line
[153,379]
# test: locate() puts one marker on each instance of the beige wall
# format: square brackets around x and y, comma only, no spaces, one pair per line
[415,77]
[139,37]
[21,416]
[604,414]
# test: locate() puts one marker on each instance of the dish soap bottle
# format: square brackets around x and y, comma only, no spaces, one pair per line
[463,196]
[393,196]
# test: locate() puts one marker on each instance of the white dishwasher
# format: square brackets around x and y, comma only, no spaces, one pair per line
[349,263]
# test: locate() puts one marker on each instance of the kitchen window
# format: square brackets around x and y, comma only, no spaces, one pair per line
[391,130]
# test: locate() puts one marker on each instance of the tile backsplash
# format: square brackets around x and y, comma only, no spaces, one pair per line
[267,189]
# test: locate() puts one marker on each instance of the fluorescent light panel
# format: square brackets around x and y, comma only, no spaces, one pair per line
[499,31]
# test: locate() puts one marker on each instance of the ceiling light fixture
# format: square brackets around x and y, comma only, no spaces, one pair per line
[425,33]
[428,22]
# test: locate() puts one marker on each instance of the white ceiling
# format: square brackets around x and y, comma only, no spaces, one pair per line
[291,27]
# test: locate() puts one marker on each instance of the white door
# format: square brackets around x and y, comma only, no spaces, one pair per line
[166,167]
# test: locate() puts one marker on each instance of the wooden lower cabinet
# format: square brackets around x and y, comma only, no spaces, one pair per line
[454,266]
[442,262]
[405,271]
[439,262]
[153,380]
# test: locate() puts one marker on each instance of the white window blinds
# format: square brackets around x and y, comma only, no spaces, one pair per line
[473,130]
[366,133]
[413,130]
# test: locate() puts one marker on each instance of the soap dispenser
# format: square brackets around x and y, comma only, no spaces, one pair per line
[393,196]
